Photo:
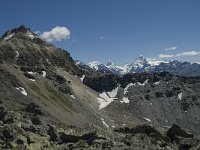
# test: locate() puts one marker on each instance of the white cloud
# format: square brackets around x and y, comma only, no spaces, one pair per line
[56,34]
[189,53]
[165,56]
[171,48]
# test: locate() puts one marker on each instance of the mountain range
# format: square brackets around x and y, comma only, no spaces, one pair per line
[48,101]
[142,64]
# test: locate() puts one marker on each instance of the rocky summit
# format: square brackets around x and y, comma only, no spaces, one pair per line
[49,101]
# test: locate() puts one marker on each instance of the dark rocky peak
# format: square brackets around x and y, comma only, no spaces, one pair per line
[176,63]
[21,32]
[23,47]
[140,62]
[140,58]
[21,29]
[109,63]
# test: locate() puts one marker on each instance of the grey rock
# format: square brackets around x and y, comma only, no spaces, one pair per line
[8,133]
[52,133]
[32,108]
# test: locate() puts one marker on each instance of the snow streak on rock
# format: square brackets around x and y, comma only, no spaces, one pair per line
[22,90]
[104,122]
[180,95]
[82,78]
[9,36]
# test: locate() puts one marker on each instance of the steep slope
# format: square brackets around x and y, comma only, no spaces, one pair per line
[45,74]
[45,105]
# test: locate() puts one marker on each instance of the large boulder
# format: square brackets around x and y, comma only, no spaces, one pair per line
[52,133]
[175,132]
[32,108]
[36,141]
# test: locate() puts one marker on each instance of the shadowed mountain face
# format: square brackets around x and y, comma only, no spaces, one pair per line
[48,102]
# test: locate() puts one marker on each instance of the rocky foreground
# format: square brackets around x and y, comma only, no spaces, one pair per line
[27,130]
[47,102]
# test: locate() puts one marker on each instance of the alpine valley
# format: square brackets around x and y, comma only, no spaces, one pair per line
[50,101]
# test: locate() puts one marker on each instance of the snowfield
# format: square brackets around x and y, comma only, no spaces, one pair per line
[106,98]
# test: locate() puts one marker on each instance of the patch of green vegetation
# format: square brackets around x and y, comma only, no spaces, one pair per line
[57,96]
[37,89]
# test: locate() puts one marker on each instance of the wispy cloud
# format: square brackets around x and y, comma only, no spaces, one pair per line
[101,37]
[188,53]
[56,34]
[183,54]
[171,48]
[165,56]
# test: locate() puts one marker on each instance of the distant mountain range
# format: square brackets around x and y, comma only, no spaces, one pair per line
[142,64]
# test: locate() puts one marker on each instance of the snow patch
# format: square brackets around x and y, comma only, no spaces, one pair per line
[104,122]
[106,98]
[31,72]
[126,88]
[180,95]
[9,36]
[147,119]
[94,64]
[82,78]
[22,90]
[143,84]
[30,35]
[157,82]
[17,54]
[113,93]
[72,96]
[44,73]
[125,100]
[32,80]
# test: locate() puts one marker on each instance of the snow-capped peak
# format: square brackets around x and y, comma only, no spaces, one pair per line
[79,63]
[139,62]
[198,62]
[94,64]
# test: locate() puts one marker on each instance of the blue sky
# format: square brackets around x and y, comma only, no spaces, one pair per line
[119,30]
